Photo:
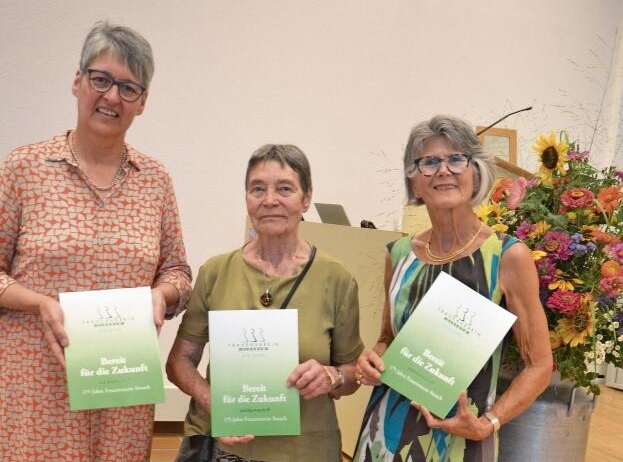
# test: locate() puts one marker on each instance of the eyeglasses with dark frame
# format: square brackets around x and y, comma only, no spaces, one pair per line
[455,163]
[102,81]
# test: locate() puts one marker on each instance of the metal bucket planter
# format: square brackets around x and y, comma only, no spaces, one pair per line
[554,429]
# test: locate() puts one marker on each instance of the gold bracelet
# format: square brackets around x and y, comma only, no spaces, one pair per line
[494,420]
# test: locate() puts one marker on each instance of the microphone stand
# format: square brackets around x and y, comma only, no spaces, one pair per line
[500,120]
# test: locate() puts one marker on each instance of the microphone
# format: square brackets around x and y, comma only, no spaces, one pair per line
[367,224]
[500,120]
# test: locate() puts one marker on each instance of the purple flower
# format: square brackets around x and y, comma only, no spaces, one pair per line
[617,252]
[574,155]
[524,230]
[578,247]
[546,270]
[619,318]
[556,244]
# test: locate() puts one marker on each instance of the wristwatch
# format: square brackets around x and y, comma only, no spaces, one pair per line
[340,377]
[494,420]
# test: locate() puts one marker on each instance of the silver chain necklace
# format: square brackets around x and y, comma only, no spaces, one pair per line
[118,175]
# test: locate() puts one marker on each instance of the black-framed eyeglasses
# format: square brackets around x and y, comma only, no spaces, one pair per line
[102,81]
[455,163]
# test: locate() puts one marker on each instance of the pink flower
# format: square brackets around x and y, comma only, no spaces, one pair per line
[564,301]
[617,252]
[574,155]
[613,287]
[516,192]
[575,198]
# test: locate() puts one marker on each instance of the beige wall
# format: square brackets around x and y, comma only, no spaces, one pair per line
[344,80]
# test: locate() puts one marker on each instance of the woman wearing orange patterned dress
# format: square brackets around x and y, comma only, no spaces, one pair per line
[82,211]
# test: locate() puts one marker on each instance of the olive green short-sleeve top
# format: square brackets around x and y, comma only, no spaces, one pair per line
[328,314]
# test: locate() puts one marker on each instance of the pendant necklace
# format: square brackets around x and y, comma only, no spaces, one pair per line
[445,258]
[118,174]
[266,299]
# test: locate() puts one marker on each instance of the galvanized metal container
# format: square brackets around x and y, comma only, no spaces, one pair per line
[554,429]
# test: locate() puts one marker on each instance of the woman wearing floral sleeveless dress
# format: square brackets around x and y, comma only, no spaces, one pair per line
[447,171]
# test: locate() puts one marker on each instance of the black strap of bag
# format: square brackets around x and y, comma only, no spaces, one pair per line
[312,254]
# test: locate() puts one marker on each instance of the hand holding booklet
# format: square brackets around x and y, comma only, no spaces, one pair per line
[448,338]
[113,357]
[252,353]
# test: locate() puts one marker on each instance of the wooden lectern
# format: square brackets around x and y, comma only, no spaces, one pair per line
[362,251]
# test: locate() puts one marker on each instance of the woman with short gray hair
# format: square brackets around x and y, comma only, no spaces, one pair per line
[81,211]
[447,171]
[275,268]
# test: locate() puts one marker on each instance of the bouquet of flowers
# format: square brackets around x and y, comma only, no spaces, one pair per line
[570,214]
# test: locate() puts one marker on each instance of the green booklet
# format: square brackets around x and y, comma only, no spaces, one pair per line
[113,357]
[443,345]
[252,353]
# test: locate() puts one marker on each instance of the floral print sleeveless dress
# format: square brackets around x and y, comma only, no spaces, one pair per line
[394,431]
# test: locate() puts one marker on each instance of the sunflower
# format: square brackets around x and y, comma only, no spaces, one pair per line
[555,340]
[541,228]
[552,155]
[576,328]
[492,215]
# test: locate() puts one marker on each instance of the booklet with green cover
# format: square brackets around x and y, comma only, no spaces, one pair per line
[252,353]
[448,338]
[113,357]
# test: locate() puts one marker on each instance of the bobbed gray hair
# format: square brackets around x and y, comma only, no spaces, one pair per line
[124,43]
[463,138]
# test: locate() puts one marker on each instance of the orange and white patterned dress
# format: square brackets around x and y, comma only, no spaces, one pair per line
[57,234]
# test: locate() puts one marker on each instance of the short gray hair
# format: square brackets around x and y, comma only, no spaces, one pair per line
[285,154]
[463,137]
[124,43]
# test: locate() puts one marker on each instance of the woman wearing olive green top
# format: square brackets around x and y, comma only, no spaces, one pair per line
[260,275]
